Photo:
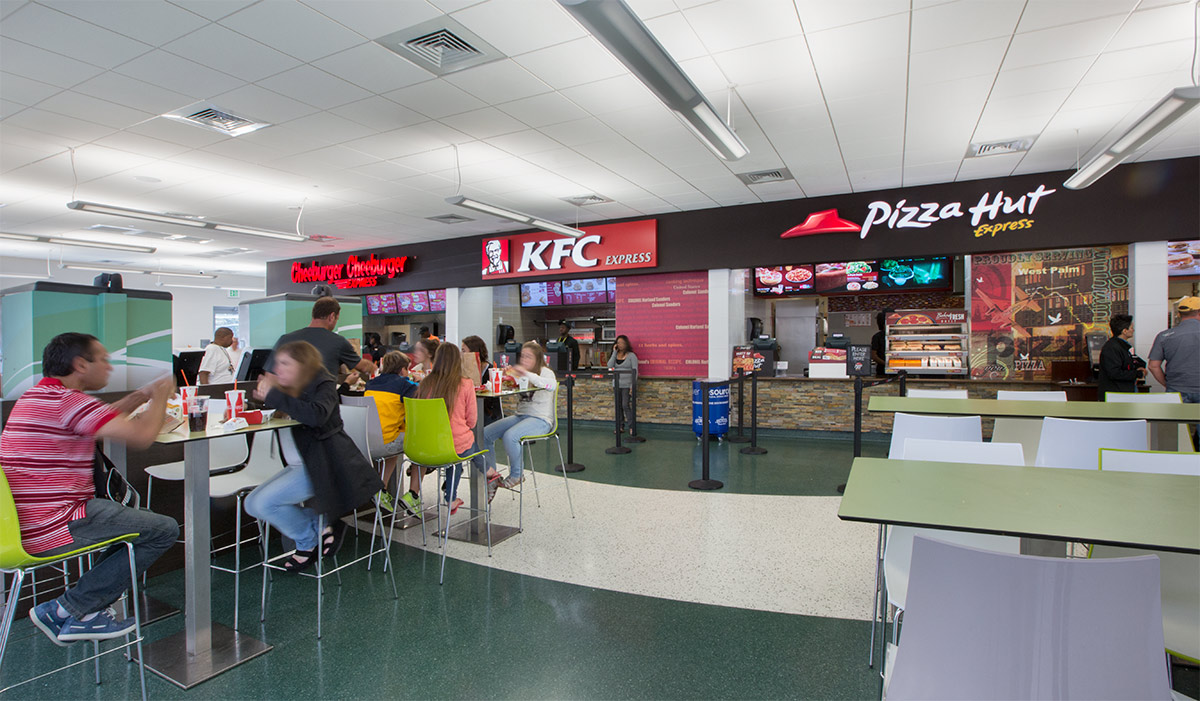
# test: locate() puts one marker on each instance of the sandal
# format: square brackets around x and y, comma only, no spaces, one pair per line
[454,506]
[331,542]
[294,566]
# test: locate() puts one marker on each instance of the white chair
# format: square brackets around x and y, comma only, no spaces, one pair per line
[1027,432]
[1076,444]
[938,393]
[264,462]
[360,420]
[224,453]
[1184,441]
[1159,462]
[527,445]
[1001,626]
[904,427]
[897,552]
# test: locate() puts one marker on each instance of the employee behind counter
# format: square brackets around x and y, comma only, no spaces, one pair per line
[564,337]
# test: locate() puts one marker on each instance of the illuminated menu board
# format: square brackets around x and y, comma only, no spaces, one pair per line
[855,277]
[388,303]
[541,294]
[611,284]
[374,305]
[587,291]
[437,300]
[420,301]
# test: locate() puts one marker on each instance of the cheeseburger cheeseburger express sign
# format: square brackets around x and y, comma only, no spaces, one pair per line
[603,247]
[355,272]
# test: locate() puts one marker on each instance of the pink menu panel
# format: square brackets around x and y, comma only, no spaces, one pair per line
[588,291]
[666,319]
[437,300]
[374,306]
[404,301]
[420,301]
[388,303]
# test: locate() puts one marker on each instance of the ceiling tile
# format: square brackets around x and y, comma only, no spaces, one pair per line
[67,130]
[611,95]
[1054,13]
[373,67]
[676,35]
[732,24]
[374,18]
[96,110]
[258,103]
[154,22]
[38,64]
[436,99]
[572,63]
[541,110]
[1144,60]
[1060,43]
[229,52]
[315,86]
[177,132]
[1156,26]
[516,27]
[846,71]
[145,145]
[213,10]
[379,113]
[24,91]
[956,62]
[819,15]
[70,36]
[526,142]
[930,173]
[292,28]
[647,9]
[767,62]
[484,123]
[951,24]
[1039,78]
[499,81]
[130,92]
[179,74]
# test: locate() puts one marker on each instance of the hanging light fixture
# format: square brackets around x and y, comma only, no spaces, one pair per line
[167,218]
[513,215]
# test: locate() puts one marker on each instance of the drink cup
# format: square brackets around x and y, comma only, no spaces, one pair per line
[523,383]
[235,399]
[187,397]
[198,415]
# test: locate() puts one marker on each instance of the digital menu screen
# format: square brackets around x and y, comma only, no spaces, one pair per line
[1183,258]
[374,306]
[611,284]
[404,301]
[437,300]
[387,303]
[783,280]
[588,291]
[900,274]
[541,294]
[420,301]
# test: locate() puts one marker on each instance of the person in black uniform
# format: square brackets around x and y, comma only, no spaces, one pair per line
[879,344]
[564,336]
[1120,369]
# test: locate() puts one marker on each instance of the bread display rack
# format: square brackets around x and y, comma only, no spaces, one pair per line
[927,341]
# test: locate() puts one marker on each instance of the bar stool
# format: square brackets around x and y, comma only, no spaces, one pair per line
[527,445]
[429,442]
[15,561]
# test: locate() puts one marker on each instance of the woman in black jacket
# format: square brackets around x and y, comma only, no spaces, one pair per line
[335,477]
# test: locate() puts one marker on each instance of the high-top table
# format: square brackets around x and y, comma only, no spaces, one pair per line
[203,649]
[1096,411]
[1126,509]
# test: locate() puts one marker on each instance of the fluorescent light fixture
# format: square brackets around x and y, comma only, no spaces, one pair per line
[513,215]
[1169,110]
[138,271]
[214,287]
[81,244]
[19,237]
[25,277]
[621,31]
[168,218]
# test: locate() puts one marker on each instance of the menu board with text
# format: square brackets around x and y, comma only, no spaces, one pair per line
[666,319]
[541,294]
[437,300]
[387,303]
[374,305]
[587,291]
[404,301]
[612,290]
[420,301]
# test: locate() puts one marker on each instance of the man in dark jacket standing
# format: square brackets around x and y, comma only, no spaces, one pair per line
[1119,367]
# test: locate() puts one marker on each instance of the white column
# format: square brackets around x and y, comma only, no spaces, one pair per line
[726,319]
[1148,302]
[468,313]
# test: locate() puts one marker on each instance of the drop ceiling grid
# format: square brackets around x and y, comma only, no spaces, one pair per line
[639,163]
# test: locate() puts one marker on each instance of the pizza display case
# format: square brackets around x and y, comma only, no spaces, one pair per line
[927,341]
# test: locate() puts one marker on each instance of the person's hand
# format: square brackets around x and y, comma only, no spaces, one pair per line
[353,378]
[266,382]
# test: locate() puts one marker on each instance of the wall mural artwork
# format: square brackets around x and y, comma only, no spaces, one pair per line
[1030,310]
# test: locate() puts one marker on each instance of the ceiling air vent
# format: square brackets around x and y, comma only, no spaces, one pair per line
[450,219]
[209,116]
[776,175]
[996,148]
[585,200]
[440,46]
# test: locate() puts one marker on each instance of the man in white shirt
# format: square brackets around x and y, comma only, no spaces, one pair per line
[217,367]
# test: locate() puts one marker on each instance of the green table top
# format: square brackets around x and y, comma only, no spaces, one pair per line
[1128,509]
[174,437]
[1104,411]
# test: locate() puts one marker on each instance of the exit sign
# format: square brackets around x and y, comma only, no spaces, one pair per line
[233,293]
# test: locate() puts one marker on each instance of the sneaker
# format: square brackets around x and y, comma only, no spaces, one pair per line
[411,504]
[102,626]
[509,482]
[45,617]
[385,501]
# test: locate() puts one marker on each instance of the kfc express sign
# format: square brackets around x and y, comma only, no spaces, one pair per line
[603,247]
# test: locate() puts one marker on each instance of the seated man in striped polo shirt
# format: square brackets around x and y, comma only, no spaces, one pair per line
[47,452]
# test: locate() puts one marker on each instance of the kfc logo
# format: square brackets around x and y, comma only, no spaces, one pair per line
[495,257]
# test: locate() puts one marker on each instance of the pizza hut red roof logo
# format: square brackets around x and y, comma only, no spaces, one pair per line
[824,222]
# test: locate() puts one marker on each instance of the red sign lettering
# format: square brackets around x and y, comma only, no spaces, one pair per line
[603,247]
[354,273]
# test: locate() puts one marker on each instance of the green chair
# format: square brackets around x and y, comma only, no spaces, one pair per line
[527,443]
[15,561]
[429,442]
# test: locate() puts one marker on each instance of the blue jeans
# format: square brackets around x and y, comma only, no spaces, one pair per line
[511,429]
[109,578]
[279,501]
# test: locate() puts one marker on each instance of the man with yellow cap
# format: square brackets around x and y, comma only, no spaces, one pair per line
[1175,355]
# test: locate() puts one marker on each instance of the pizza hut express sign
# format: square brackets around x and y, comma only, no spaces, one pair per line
[354,273]
[603,247]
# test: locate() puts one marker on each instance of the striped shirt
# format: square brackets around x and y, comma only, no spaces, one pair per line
[47,452]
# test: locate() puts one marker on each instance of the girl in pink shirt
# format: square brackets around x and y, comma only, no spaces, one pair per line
[446,381]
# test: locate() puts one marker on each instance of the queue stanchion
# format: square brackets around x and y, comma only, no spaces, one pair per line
[900,378]
[754,448]
[704,483]
[740,436]
[570,465]
[617,449]
[633,436]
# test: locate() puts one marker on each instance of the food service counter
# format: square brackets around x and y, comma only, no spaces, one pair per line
[791,403]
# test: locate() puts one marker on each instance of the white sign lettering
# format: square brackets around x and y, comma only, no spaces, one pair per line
[560,249]
[919,216]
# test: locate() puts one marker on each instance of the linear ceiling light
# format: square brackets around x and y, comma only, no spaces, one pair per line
[621,31]
[1169,110]
[214,287]
[139,271]
[81,244]
[165,218]
[513,215]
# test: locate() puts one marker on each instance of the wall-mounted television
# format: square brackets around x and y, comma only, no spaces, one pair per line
[541,294]
[420,301]
[586,291]
[388,303]
[374,305]
[855,277]
[437,300]
[611,283]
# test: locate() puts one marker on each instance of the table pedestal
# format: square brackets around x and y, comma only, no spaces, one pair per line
[169,659]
